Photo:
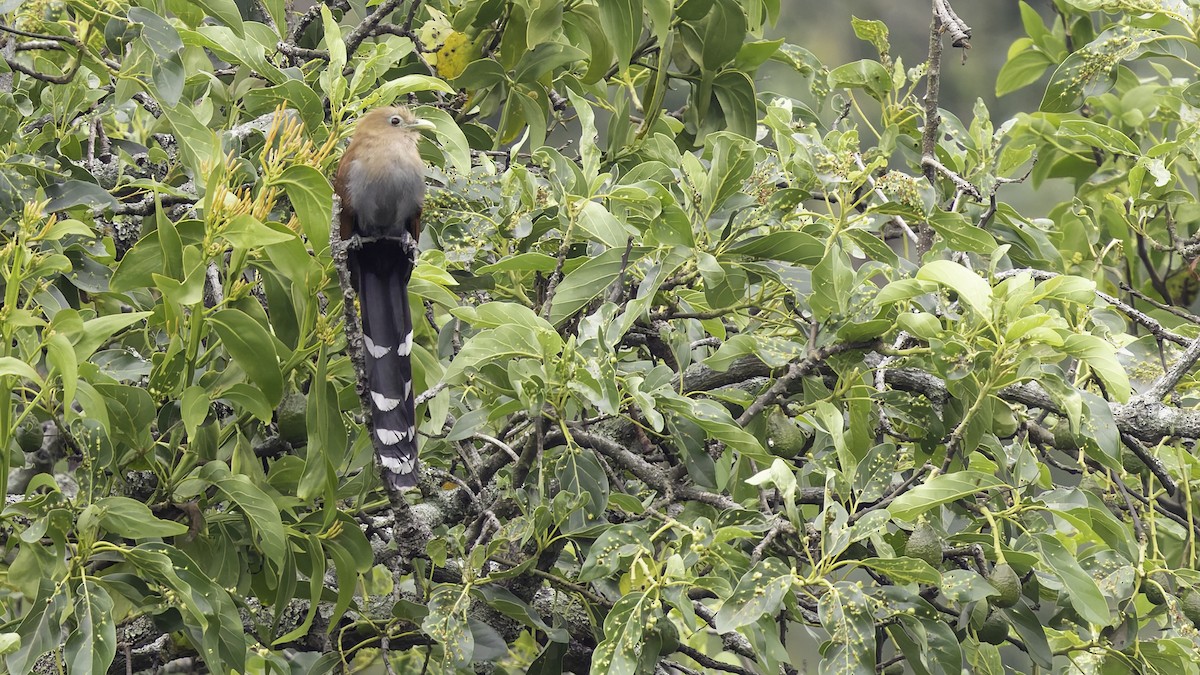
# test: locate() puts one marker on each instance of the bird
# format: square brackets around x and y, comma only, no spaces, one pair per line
[380,181]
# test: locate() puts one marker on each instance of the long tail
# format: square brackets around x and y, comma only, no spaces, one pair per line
[382,270]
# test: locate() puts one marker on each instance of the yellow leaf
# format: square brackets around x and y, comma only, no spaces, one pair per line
[456,52]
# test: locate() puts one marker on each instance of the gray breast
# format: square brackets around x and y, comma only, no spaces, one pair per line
[385,201]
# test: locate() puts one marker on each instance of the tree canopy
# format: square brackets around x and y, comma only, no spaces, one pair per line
[712,377]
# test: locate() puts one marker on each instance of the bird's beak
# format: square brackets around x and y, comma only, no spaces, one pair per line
[422,125]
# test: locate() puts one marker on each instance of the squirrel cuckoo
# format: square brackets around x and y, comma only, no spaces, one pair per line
[381,183]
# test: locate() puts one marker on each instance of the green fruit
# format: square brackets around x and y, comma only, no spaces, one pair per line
[925,544]
[293,418]
[1006,582]
[1004,422]
[29,436]
[1157,584]
[896,668]
[784,438]
[1190,605]
[994,630]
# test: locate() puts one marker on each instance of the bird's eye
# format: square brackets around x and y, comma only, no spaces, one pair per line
[396,120]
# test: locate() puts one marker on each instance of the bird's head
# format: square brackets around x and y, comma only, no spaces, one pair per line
[391,120]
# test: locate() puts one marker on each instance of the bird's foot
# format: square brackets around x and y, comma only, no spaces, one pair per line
[357,241]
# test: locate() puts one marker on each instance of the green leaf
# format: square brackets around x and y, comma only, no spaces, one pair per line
[625,629]
[78,192]
[875,32]
[961,235]
[721,34]
[846,614]
[503,343]
[1101,357]
[735,92]
[332,81]
[453,142]
[312,198]
[1021,70]
[759,592]
[774,352]
[622,23]
[716,421]
[160,35]
[250,399]
[198,145]
[940,490]
[40,629]
[193,408]
[874,473]
[1099,433]
[132,519]
[447,623]
[100,330]
[62,361]
[294,94]
[905,570]
[326,435]
[606,553]
[259,509]
[971,289]
[244,231]
[1085,595]
[521,262]
[12,366]
[316,585]
[1100,136]
[587,17]
[579,472]
[225,11]
[1083,73]
[253,349]
[867,75]
[1032,632]
[602,226]
[754,54]
[589,280]
[545,20]
[389,91]
[92,644]
[965,586]
[504,601]
[926,641]
[733,158]
[545,58]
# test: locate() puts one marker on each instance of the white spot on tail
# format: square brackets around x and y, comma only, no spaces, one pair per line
[405,347]
[407,388]
[400,465]
[390,436]
[384,403]
[374,350]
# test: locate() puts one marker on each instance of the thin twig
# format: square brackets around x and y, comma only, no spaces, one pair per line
[796,370]
[499,444]
[710,663]
[961,183]
[360,33]
[933,118]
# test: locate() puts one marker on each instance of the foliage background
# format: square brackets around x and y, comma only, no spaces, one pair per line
[700,353]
